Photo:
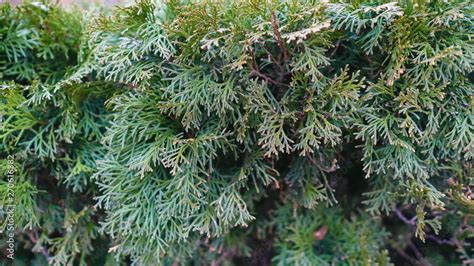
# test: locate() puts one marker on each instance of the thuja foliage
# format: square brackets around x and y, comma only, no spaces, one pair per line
[241,132]
[52,129]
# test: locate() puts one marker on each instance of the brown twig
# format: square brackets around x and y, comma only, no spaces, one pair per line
[412,224]
[278,37]
[277,62]
[336,47]
[417,253]
[34,238]
[404,219]
[440,241]
[405,256]
[321,168]
[255,71]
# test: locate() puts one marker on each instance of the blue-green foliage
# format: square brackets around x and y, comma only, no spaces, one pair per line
[284,132]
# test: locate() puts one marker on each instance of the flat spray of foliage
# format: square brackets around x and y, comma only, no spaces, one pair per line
[242,132]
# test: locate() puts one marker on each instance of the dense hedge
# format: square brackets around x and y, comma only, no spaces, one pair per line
[241,132]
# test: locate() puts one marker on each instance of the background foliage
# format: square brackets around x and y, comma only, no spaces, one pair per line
[240,132]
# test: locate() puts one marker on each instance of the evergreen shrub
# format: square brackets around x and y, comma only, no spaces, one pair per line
[239,133]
